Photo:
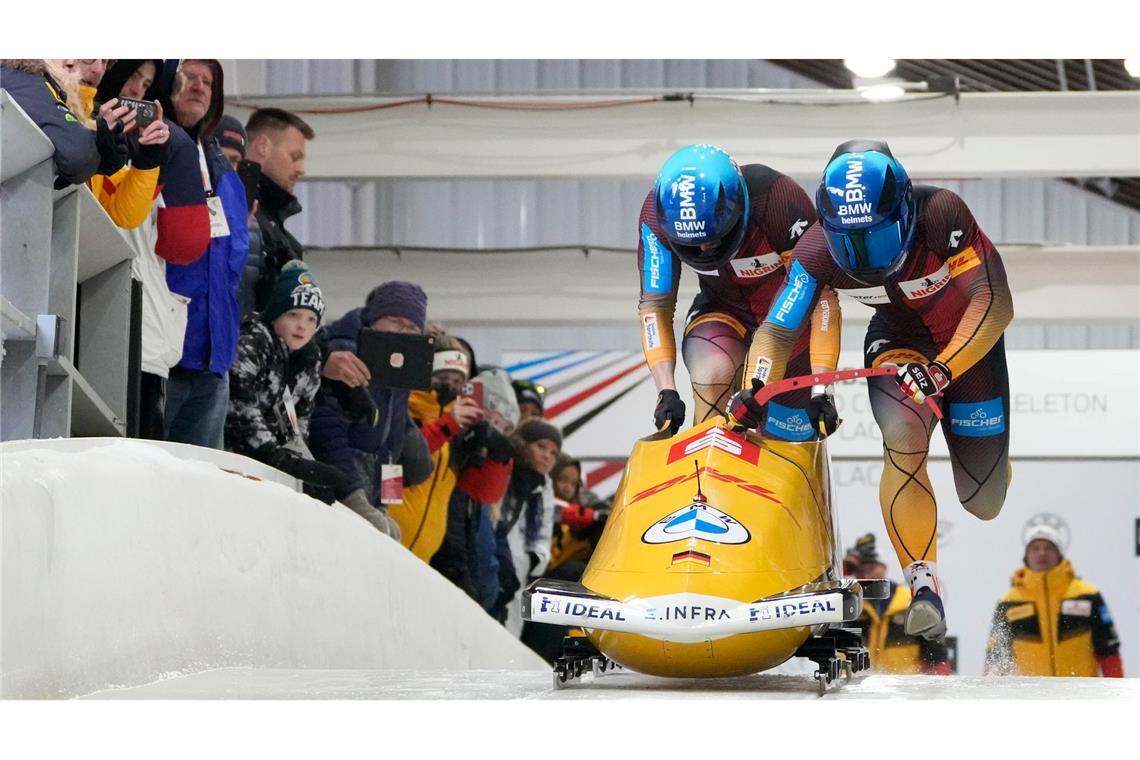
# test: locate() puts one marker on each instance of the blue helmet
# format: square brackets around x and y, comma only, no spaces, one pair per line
[702,200]
[866,206]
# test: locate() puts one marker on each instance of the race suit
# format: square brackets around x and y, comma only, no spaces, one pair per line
[948,301]
[732,301]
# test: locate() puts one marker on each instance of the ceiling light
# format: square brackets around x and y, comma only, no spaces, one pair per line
[1132,66]
[870,67]
[881,92]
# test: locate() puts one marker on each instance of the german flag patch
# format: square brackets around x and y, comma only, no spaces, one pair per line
[691,556]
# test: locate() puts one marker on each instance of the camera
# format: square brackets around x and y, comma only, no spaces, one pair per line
[145,111]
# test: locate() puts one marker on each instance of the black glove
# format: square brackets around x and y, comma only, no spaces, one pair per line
[824,418]
[669,407]
[149,156]
[356,402]
[315,473]
[113,149]
[499,447]
[743,411]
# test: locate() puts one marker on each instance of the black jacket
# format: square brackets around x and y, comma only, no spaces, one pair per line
[277,246]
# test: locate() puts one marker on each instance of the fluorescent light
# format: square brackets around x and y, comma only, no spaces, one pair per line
[870,67]
[1132,66]
[880,92]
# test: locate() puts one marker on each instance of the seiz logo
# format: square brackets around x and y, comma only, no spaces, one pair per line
[716,438]
[756,267]
[927,285]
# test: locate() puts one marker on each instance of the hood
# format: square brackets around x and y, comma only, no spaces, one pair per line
[164,86]
[26,65]
[119,73]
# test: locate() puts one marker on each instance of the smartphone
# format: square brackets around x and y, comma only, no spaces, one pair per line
[145,111]
[474,391]
[250,174]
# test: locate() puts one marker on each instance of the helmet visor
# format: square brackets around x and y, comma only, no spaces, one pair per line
[868,254]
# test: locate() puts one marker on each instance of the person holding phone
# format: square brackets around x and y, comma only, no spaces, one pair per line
[276,141]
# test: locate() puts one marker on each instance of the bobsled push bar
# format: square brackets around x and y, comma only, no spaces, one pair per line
[838,376]
[690,617]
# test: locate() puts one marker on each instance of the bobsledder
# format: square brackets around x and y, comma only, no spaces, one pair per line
[720,558]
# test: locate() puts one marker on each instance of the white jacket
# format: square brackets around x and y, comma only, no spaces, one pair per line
[521,551]
[163,312]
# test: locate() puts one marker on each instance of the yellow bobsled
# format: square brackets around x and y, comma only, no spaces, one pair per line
[719,558]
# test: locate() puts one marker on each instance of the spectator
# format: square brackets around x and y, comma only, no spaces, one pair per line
[467,554]
[277,141]
[198,387]
[76,157]
[231,136]
[80,78]
[127,195]
[442,414]
[530,397]
[524,530]
[1051,623]
[881,623]
[274,382]
[358,425]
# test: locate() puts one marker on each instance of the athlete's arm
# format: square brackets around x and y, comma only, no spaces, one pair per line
[976,271]
[660,276]
[826,320]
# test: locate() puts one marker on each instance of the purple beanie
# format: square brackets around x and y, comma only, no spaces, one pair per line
[396,299]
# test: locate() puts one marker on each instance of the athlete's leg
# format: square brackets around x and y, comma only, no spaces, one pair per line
[976,427]
[714,348]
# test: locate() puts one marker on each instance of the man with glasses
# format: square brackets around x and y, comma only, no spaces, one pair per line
[917,257]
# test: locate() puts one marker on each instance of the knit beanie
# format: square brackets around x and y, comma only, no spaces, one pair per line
[537,430]
[295,289]
[231,134]
[450,354]
[396,299]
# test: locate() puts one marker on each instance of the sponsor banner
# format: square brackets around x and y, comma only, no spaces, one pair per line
[687,617]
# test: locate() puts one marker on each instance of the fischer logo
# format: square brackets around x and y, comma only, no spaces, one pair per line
[855,209]
[654,262]
[757,266]
[794,295]
[978,419]
[688,226]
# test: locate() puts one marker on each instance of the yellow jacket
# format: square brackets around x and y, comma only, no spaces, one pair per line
[422,514]
[1050,624]
[892,650]
[127,195]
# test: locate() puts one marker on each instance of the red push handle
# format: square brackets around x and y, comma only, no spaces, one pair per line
[823,378]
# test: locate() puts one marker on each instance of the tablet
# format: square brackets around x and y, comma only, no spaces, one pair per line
[397,360]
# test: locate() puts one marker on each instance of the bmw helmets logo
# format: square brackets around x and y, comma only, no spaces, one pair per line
[700,521]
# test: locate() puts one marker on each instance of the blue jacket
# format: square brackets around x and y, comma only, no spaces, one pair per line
[211,282]
[352,443]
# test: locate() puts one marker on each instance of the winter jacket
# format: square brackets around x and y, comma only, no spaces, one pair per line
[892,650]
[360,440]
[28,83]
[211,282]
[264,372]
[277,245]
[127,195]
[1052,624]
[522,537]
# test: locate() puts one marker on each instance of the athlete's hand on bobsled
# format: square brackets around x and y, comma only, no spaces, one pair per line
[920,381]
[743,411]
[823,415]
[669,407]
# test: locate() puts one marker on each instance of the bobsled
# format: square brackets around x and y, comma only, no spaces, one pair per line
[720,558]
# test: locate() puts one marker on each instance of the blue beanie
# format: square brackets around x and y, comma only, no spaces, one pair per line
[396,299]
